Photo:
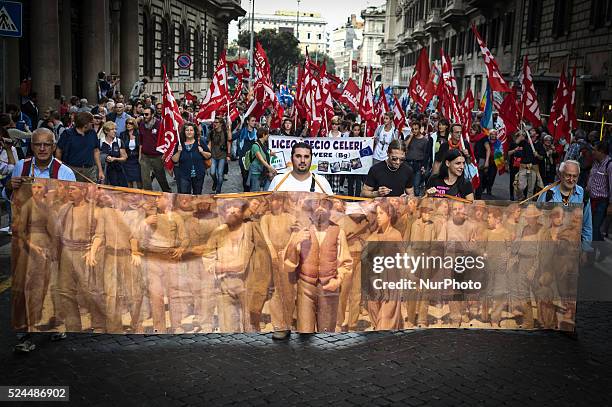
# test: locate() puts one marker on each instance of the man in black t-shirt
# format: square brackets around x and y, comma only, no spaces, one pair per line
[392,177]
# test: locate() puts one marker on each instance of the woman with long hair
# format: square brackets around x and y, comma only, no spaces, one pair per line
[219,145]
[436,140]
[260,170]
[190,157]
[451,180]
[385,311]
[132,146]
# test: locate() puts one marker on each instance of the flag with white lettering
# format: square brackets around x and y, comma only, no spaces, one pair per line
[494,76]
[171,123]
[529,100]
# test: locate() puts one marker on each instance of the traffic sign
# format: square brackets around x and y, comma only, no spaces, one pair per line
[184,61]
[10,19]
[183,72]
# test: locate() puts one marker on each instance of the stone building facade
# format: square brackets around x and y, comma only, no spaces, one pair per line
[345,47]
[373,34]
[552,33]
[67,42]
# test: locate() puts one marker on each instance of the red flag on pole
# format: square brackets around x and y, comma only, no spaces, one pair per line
[263,93]
[450,105]
[558,122]
[421,90]
[350,95]
[496,81]
[571,108]
[366,99]
[530,109]
[399,118]
[509,113]
[171,123]
[381,106]
[217,95]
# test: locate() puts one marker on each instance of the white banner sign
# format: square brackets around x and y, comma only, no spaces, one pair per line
[330,155]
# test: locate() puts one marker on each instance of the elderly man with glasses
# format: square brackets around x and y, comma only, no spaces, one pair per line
[42,165]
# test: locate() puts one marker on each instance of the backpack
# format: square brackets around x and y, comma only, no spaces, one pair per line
[249,158]
[27,168]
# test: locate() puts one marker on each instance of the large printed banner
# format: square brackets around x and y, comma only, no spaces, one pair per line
[92,259]
[330,155]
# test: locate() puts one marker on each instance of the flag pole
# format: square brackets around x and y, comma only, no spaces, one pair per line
[601,132]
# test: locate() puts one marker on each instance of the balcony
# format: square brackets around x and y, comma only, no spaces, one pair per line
[418,32]
[434,23]
[483,4]
[454,13]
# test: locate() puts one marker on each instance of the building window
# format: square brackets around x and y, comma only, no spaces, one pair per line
[453,46]
[184,40]
[167,45]
[460,43]
[198,49]
[508,28]
[470,42]
[601,13]
[562,18]
[148,42]
[494,33]
[534,20]
[319,36]
[210,60]
[308,36]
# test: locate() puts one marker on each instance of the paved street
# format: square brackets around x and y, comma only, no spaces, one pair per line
[411,368]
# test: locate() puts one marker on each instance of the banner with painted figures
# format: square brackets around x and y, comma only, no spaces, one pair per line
[330,155]
[94,259]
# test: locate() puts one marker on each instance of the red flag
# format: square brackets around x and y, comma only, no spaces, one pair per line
[467,104]
[313,97]
[263,93]
[381,106]
[327,99]
[399,118]
[190,97]
[571,108]
[171,122]
[366,98]
[496,81]
[509,113]
[350,95]
[558,122]
[450,106]
[217,96]
[529,102]
[422,89]
[239,67]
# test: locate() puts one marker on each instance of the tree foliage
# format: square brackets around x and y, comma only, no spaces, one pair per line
[282,50]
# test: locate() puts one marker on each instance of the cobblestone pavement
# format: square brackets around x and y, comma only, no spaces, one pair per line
[436,367]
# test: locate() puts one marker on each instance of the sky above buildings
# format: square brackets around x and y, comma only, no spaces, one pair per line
[336,12]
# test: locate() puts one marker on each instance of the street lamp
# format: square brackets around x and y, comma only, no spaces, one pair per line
[251,70]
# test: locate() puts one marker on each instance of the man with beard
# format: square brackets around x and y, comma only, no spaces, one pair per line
[116,224]
[391,177]
[300,178]
[228,257]
[199,227]
[458,232]
[497,247]
[321,258]
[76,226]
[357,228]
[34,237]
[423,232]
[164,242]
[276,228]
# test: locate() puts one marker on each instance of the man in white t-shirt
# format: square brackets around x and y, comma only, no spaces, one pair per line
[300,179]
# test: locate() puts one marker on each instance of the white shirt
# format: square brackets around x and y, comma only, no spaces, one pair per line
[293,185]
[383,139]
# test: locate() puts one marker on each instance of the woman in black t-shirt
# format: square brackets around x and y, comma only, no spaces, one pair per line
[450,180]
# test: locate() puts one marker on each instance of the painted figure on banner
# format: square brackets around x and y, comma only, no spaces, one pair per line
[320,256]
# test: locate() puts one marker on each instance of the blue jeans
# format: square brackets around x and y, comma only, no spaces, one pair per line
[216,172]
[191,185]
[416,169]
[258,182]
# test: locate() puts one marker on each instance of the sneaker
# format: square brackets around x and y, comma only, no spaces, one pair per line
[25,346]
[281,335]
[57,336]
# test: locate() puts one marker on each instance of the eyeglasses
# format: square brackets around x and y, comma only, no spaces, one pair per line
[40,145]
[146,114]
[393,158]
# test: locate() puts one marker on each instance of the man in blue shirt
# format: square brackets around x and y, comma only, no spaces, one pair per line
[119,116]
[246,137]
[43,165]
[79,149]
[569,192]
